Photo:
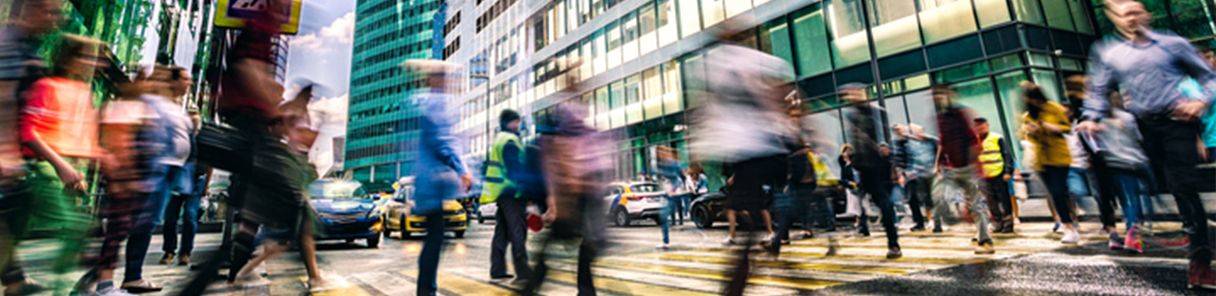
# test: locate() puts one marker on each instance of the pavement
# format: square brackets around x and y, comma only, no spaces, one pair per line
[1031,262]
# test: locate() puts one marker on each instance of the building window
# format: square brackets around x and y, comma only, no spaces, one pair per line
[629,36]
[712,12]
[668,31]
[1080,18]
[893,24]
[1028,11]
[690,17]
[811,41]
[735,7]
[646,26]
[945,19]
[1058,15]
[775,39]
[992,12]
[849,42]
[613,33]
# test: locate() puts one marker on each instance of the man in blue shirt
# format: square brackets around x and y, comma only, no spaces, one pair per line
[1148,66]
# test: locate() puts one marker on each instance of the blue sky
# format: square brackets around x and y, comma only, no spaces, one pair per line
[321,51]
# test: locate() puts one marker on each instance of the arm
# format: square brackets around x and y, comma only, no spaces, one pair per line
[1198,68]
[41,99]
[1101,78]
[1007,156]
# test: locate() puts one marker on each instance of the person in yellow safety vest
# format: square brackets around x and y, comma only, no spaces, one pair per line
[503,168]
[827,187]
[996,162]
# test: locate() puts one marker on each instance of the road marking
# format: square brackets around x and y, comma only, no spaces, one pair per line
[624,287]
[458,285]
[350,289]
[709,274]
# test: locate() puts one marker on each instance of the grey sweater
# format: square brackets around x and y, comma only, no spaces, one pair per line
[1119,142]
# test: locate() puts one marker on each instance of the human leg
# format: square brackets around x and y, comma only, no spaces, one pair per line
[169,230]
[517,231]
[432,248]
[498,245]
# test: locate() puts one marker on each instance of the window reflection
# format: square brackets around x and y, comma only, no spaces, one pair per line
[944,19]
[849,42]
[893,24]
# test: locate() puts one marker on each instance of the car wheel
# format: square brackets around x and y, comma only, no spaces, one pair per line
[701,217]
[373,242]
[620,218]
[481,219]
[460,234]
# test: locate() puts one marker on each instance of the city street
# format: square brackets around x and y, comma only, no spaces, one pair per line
[1031,262]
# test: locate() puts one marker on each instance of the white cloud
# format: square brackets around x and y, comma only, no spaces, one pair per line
[324,56]
[329,118]
[339,33]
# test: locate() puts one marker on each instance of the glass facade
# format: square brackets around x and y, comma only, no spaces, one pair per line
[382,131]
[634,75]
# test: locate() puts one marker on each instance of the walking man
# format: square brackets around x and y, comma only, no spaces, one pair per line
[996,163]
[864,121]
[1147,65]
[921,153]
[959,155]
[502,174]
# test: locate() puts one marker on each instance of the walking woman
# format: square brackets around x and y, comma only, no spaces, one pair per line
[1045,124]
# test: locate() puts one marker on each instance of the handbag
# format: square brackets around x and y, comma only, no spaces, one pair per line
[224,147]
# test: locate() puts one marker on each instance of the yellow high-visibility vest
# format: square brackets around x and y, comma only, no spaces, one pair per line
[991,160]
[496,171]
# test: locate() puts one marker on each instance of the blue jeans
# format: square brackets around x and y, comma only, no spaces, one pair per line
[432,248]
[152,215]
[185,206]
[666,215]
[821,206]
[1127,183]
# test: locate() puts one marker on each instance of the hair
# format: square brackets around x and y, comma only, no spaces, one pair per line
[980,120]
[1032,91]
[72,47]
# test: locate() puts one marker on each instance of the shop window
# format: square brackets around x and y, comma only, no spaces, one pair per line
[810,37]
[945,19]
[1049,82]
[921,111]
[978,94]
[893,25]
[850,45]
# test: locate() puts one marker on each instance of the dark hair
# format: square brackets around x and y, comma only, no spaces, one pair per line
[980,120]
[72,47]
[1033,92]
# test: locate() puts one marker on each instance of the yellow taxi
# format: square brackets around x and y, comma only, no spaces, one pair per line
[397,218]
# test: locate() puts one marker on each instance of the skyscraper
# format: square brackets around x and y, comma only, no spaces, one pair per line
[383,129]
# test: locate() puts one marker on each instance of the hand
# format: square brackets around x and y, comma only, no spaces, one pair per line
[1007,177]
[549,216]
[72,180]
[1088,126]
[466,181]
[1190,110]
[1031,127]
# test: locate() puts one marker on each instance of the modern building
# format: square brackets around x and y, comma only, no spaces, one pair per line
[383,127]
[635,55]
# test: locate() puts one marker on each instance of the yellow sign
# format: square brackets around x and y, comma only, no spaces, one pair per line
[233,13]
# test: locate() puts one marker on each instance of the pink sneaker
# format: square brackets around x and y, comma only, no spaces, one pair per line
[1132,241]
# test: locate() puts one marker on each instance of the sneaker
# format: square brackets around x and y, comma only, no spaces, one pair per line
[166,259]
[728,241]
[1132,241]
[1055,228]
[141,286]
[985,248]
[663,247]
[917,228]
[894,253]
[321,285]
[833,246]
[1116,242]
[1200,276]
[183,260]
[111,291]
[252,280]
[1071,237]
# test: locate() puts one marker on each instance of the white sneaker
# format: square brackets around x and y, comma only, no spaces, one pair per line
[728,241]
[111,291]
[663,247]
[1071,237]
[251,281]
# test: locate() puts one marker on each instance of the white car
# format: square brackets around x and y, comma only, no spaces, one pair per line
[486,212]
[631,201]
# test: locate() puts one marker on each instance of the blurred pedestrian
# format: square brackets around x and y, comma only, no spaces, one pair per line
[827,187]
[864,123]
[1148,65]
[798,193]
[996,164]
[503,172]
[20,67]
[576,168]
[1045,124]
[922,152]
[959,164]
[1090,167]
[440,172]
[180,176]
[668,168]
[1119,144]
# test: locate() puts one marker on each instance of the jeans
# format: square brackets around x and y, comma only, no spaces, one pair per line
[964,179]
[1127,186]
[587,222]
[821,206]
[510,229]
[1000,203]
[791,207]
[186,206]
[666,215]
[152,215]
[1056,180]
[432,248]
[877,183]
[1107,193]
[919,197]
[1170,146]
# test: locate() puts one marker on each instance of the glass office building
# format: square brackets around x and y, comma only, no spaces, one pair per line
[383,129]
[635,54]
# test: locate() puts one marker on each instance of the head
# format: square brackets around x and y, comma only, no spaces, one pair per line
[1032,95]
[79,57]
[884,149]
[1129,17]
[509,120]
[943,95]
[846,150]
[39,17]
[981,125]
[181,81]
[853,93]
[916,130]
[900,130]
[1209,55]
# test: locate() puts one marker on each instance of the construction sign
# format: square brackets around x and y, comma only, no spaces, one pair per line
[233,13]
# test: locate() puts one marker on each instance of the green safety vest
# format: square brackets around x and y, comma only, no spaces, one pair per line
[496,171]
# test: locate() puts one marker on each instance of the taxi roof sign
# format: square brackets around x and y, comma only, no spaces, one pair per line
[233,13]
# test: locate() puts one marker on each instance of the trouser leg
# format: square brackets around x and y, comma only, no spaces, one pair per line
[517,231]
[1128,188]
[499,243]
[189,223]
[1056,180]
[914,202]
[1171,145]
[1107,194]
[428,261]
[976,202]
[169,228]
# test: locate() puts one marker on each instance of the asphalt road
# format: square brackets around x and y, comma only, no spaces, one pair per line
[1029,263]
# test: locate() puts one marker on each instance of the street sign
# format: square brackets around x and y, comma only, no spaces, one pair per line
[233,13]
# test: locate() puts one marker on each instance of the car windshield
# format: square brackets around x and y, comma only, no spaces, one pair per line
[330,189]
[644,188]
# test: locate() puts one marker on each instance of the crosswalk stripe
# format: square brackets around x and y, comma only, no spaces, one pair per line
[349,290]
[684,283]
[623,286]
[761,261]
[717,275]
[459,285]
[726,265]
